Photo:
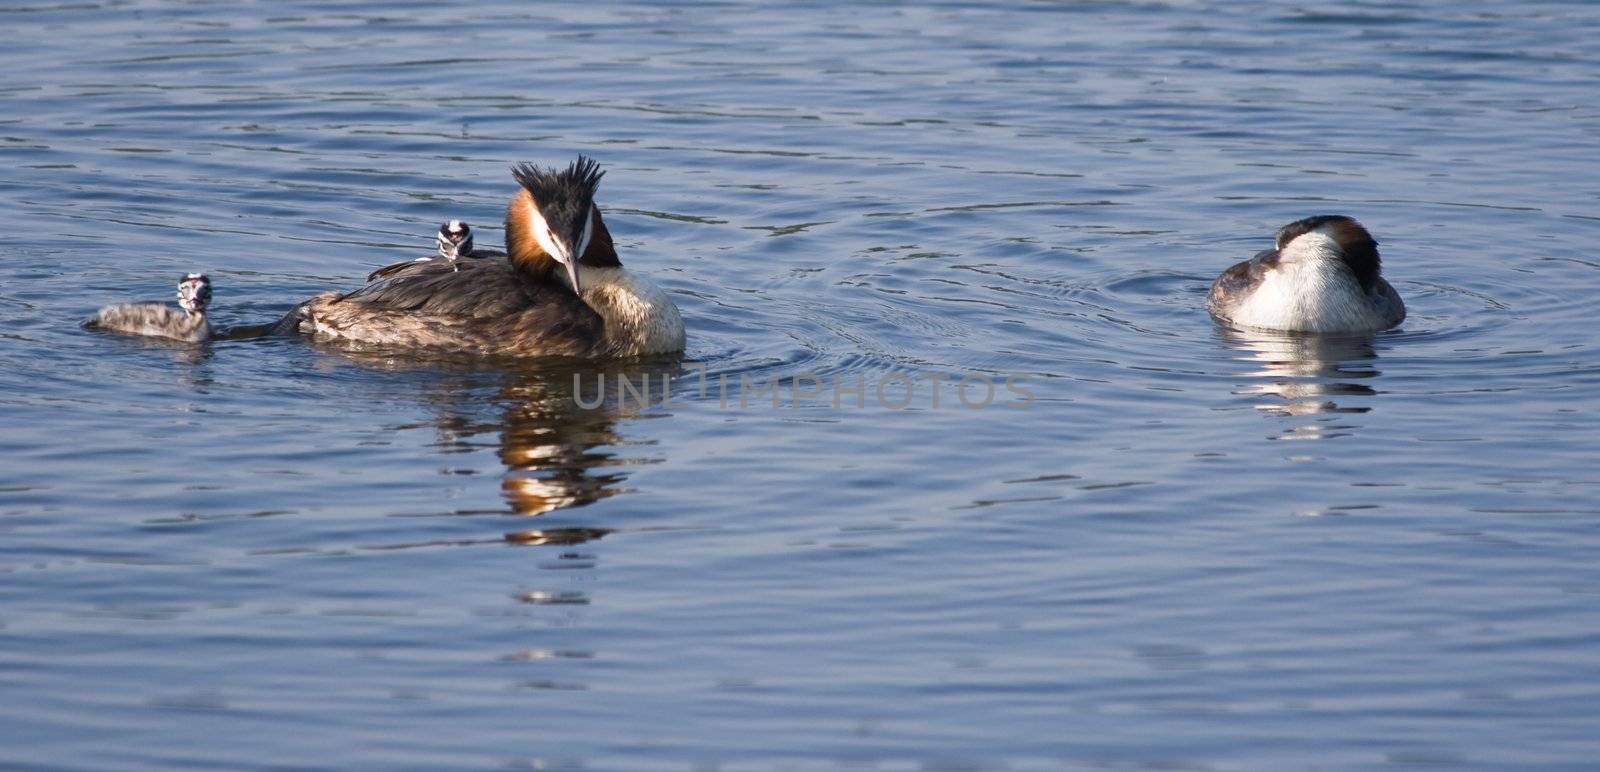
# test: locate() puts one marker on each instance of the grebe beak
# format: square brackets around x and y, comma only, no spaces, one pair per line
[563,252]
[579,243]
[572,273]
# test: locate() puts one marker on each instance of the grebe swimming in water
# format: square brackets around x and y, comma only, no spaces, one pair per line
[560,291]
[1322,276]
[455,243]
[159,320]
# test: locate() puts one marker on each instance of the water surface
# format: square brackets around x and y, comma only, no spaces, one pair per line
[1189,548]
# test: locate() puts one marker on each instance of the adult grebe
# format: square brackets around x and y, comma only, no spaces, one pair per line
[455,243]
[1322,276]
[561,291]
[159,320]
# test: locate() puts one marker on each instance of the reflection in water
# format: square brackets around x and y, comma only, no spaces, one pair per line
[552,445]
[1303,374]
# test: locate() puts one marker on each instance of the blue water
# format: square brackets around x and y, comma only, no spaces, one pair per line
[1183,548]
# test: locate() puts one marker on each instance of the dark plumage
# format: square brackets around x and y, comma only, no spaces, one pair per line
[518,306]
[454,241]
[1238,280]
[488,307]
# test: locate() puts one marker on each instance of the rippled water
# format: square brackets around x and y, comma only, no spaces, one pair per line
[1185,548]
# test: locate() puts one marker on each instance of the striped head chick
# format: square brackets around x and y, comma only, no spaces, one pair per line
[455,242]
[194,293]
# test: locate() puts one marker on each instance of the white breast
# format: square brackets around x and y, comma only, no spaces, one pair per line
[640,317]
[1310,290]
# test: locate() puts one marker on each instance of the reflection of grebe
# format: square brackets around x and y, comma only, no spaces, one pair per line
[562,290]
[556,454]
[455,243]
[1322,276]
[159,320]
[1303,375]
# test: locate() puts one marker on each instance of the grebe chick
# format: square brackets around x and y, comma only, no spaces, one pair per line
[1321,276]
[159,320]
[455,243]
[560,291]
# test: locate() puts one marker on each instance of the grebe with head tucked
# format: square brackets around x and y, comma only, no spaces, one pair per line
[455,243]
[1321,276]
[560,291]
[159,320]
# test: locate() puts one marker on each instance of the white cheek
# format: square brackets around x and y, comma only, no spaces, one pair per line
[588,231]
[547,240]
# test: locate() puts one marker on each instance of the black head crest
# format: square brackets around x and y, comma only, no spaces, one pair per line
[562,196]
